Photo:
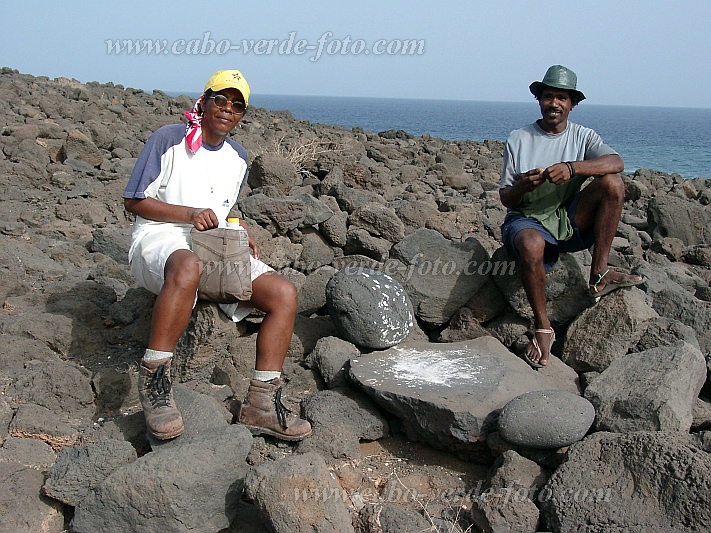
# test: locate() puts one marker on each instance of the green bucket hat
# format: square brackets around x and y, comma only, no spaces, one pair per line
[558,77]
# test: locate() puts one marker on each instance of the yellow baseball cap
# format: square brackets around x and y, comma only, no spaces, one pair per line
[228,79]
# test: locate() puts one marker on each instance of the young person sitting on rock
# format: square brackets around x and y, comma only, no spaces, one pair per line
[545,166]
[207,171]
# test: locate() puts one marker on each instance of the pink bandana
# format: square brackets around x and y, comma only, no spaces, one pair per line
[193,131]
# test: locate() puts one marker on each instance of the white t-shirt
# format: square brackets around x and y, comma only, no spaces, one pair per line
[211,178]
[530,147]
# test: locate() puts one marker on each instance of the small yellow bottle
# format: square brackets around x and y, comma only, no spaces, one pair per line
[233,223]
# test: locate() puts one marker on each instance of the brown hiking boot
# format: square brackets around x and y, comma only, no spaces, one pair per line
[163,419]
[264,414]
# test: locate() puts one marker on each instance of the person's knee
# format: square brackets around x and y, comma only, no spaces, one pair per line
[183,270]
[273,293]
[614,187]
[530,245]
[287,294]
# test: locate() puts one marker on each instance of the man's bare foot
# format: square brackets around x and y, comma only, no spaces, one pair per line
[608,281]
[538,350]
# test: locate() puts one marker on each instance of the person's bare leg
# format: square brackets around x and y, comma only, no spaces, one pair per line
[171,314]
[277,297]
[262,410]
[173,306]
[599,209]
[530,246]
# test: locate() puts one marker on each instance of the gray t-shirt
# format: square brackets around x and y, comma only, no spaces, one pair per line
[530,147]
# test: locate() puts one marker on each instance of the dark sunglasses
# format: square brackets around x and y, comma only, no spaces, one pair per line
[238,108]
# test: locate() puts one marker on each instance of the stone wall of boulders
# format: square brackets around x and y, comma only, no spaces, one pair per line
[423,213]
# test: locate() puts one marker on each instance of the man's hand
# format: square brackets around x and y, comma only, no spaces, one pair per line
[512,195]
[204,219]
[255,248]
[557,174]
[530,180]
[252,243]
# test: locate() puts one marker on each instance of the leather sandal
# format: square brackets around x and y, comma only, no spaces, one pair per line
[537,347]
[612,285]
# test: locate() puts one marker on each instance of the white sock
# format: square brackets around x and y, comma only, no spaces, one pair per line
[265,375]
[155,355]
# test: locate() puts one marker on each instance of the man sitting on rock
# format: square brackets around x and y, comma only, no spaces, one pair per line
[545,165]
[206,172]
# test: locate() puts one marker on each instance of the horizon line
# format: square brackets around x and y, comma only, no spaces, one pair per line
[174,93]
[195,94]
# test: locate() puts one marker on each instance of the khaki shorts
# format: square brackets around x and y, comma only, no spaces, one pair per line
[152,252]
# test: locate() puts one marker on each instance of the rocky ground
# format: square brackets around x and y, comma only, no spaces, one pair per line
[611,436]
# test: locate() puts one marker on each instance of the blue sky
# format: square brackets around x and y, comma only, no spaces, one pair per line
[651,52]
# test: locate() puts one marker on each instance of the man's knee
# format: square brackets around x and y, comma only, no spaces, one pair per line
[287,293]
[183,270]
[530,244]
[272,292]
[613,186]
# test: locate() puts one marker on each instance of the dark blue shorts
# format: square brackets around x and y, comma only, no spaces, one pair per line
[515,222]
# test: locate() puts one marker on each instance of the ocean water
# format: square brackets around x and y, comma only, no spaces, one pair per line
[672,140]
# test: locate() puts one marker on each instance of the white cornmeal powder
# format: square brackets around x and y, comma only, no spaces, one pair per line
[426,368]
